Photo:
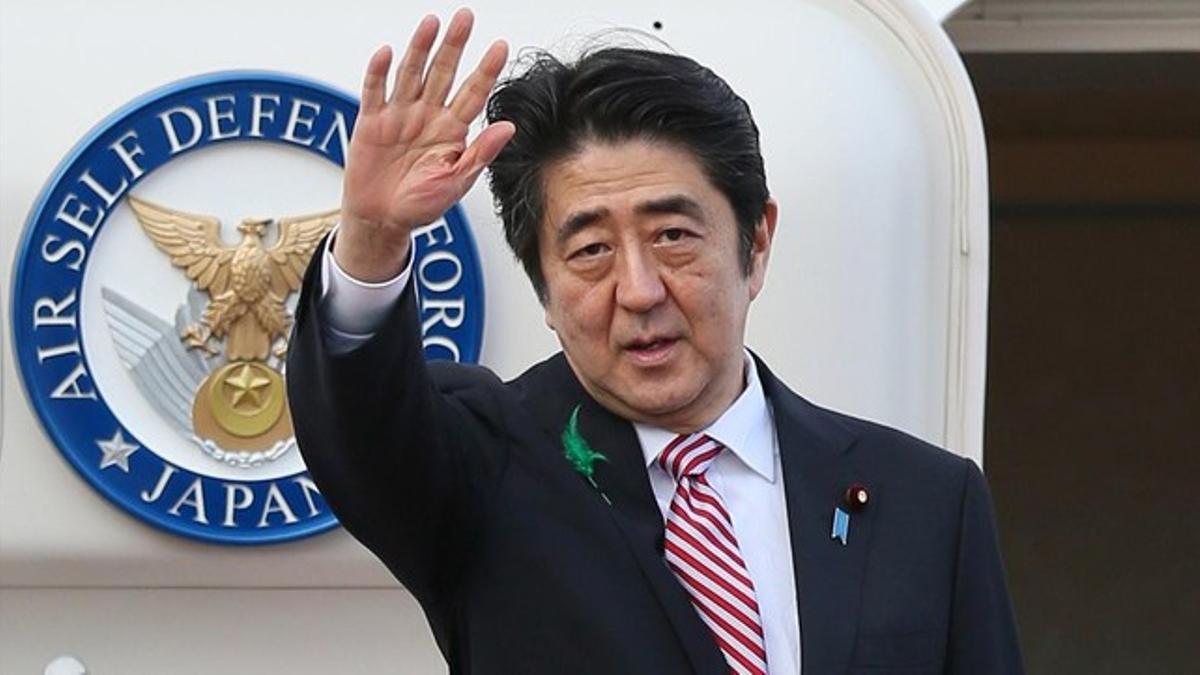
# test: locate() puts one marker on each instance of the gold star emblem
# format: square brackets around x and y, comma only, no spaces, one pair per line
[247,389]
[245,398]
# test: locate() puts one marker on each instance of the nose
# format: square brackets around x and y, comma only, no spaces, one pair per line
[640,286]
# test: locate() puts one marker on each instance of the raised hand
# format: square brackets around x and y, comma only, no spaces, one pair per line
[409,159]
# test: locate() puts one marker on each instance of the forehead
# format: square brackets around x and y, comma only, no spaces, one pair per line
[618,177]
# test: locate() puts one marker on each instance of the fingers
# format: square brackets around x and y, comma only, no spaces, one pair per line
[472,96]
[412,67]
[374,79]
[445,61]
[480,153]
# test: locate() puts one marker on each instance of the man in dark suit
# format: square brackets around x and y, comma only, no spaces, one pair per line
[652,499]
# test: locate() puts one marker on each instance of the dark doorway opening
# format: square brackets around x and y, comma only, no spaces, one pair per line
[1092,436]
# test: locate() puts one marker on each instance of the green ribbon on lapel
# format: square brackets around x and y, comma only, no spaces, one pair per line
[581,455]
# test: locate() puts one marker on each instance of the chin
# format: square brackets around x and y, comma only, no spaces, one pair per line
[652,405]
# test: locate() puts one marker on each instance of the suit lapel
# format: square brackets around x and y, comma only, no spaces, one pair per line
[815,451]
[552,392]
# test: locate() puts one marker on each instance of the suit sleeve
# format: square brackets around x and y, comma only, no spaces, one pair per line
[983,632]
[406,458]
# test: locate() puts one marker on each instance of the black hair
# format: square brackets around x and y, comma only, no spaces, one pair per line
[611,95]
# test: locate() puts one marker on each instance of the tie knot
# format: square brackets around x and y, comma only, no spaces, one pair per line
[689,455]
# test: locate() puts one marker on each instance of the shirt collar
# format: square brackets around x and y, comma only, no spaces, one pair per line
[744,428]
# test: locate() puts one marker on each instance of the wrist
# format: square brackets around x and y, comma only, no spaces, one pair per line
[370,254]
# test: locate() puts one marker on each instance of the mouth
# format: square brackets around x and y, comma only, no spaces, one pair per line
[650,351]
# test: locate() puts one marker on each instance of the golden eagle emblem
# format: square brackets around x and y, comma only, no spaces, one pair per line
[241,405]
[247,283]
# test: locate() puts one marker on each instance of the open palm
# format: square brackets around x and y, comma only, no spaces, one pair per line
[409,160]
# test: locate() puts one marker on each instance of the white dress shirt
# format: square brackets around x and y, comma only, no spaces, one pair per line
[747,475]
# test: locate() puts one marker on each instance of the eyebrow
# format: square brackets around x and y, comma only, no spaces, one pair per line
[577,222]
[673,204]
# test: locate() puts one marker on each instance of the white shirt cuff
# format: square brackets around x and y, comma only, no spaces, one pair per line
[355,309]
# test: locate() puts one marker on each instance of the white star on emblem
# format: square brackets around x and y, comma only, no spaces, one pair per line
[116,451]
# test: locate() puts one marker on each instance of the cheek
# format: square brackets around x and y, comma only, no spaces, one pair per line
[581,314]
[698,289]
[711,307]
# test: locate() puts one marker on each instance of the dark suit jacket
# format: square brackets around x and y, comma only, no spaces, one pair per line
[457,481]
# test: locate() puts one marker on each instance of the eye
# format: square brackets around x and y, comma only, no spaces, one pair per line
[673,235]
[590,251]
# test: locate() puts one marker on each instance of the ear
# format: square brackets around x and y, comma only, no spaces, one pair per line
[760,246]
[547,309]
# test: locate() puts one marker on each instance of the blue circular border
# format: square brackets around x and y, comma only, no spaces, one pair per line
[23,335]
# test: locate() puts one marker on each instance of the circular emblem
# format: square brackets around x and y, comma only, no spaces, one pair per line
[245,399]
[153,295]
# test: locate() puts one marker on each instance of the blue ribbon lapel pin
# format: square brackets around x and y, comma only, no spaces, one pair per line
[841,525]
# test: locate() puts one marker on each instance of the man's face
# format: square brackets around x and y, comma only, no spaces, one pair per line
[645,285]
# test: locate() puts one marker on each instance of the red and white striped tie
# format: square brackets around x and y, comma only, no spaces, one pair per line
[704,554]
